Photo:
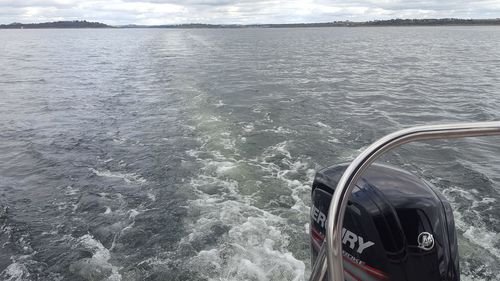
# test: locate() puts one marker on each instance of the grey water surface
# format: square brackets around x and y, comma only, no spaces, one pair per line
[155,154]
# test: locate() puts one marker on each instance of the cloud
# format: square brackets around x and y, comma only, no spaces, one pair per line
[37,3]
[239,11]
[202,2]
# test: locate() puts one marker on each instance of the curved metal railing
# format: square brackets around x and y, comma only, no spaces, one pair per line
[330,255]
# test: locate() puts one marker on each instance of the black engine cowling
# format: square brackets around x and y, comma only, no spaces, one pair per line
[396,226]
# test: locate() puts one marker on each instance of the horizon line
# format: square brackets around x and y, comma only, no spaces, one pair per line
[254,24]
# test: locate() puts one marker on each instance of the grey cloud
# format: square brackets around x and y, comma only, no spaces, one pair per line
[436,5]
[34,3]
[188,3]
[239,11]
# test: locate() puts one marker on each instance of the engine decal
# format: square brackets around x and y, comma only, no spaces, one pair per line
[425,241]
[349,238]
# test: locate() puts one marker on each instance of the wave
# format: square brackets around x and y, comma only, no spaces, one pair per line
[127,177]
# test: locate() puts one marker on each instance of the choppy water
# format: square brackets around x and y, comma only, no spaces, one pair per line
[189,154]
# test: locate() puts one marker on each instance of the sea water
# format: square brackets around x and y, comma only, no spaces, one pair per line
[170,154]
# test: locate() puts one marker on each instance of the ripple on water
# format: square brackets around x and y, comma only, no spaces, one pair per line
[190,153]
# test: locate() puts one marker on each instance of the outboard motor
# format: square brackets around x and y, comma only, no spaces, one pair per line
[396,226]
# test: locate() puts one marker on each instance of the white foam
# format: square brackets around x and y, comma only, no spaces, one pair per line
[229,187]
[249,226]
[133,213]
[119,140]
[223,167]
[151,196]
[193,153]
[228,144]
[61,206]
[71,191]
[249,258]
[15,272]
[279,130]
[333,140]
[475,231]
[211,258]
[127,177]
[220,104]
[278,149]
[472,273]
[321,124]
[100,256]
[191,128]
[484,238]
[228,196]
[248,128]
[254,249]
[288,171]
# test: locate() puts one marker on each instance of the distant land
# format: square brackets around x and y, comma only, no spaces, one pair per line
[392,22]
[56,24]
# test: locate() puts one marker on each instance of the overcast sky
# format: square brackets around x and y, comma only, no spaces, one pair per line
[119,12]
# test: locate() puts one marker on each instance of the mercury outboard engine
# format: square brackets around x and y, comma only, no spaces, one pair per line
[396,226]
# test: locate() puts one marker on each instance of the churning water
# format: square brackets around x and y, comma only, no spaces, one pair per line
[189,154]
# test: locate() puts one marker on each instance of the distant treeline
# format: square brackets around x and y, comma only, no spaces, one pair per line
[56,24]
[392,22]
[450,21]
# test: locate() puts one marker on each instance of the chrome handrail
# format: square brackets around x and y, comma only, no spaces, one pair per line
[332,248]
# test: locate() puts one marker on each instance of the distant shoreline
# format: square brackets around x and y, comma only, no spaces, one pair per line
[393,22]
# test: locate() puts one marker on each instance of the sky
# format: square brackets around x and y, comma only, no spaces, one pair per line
[153,12]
